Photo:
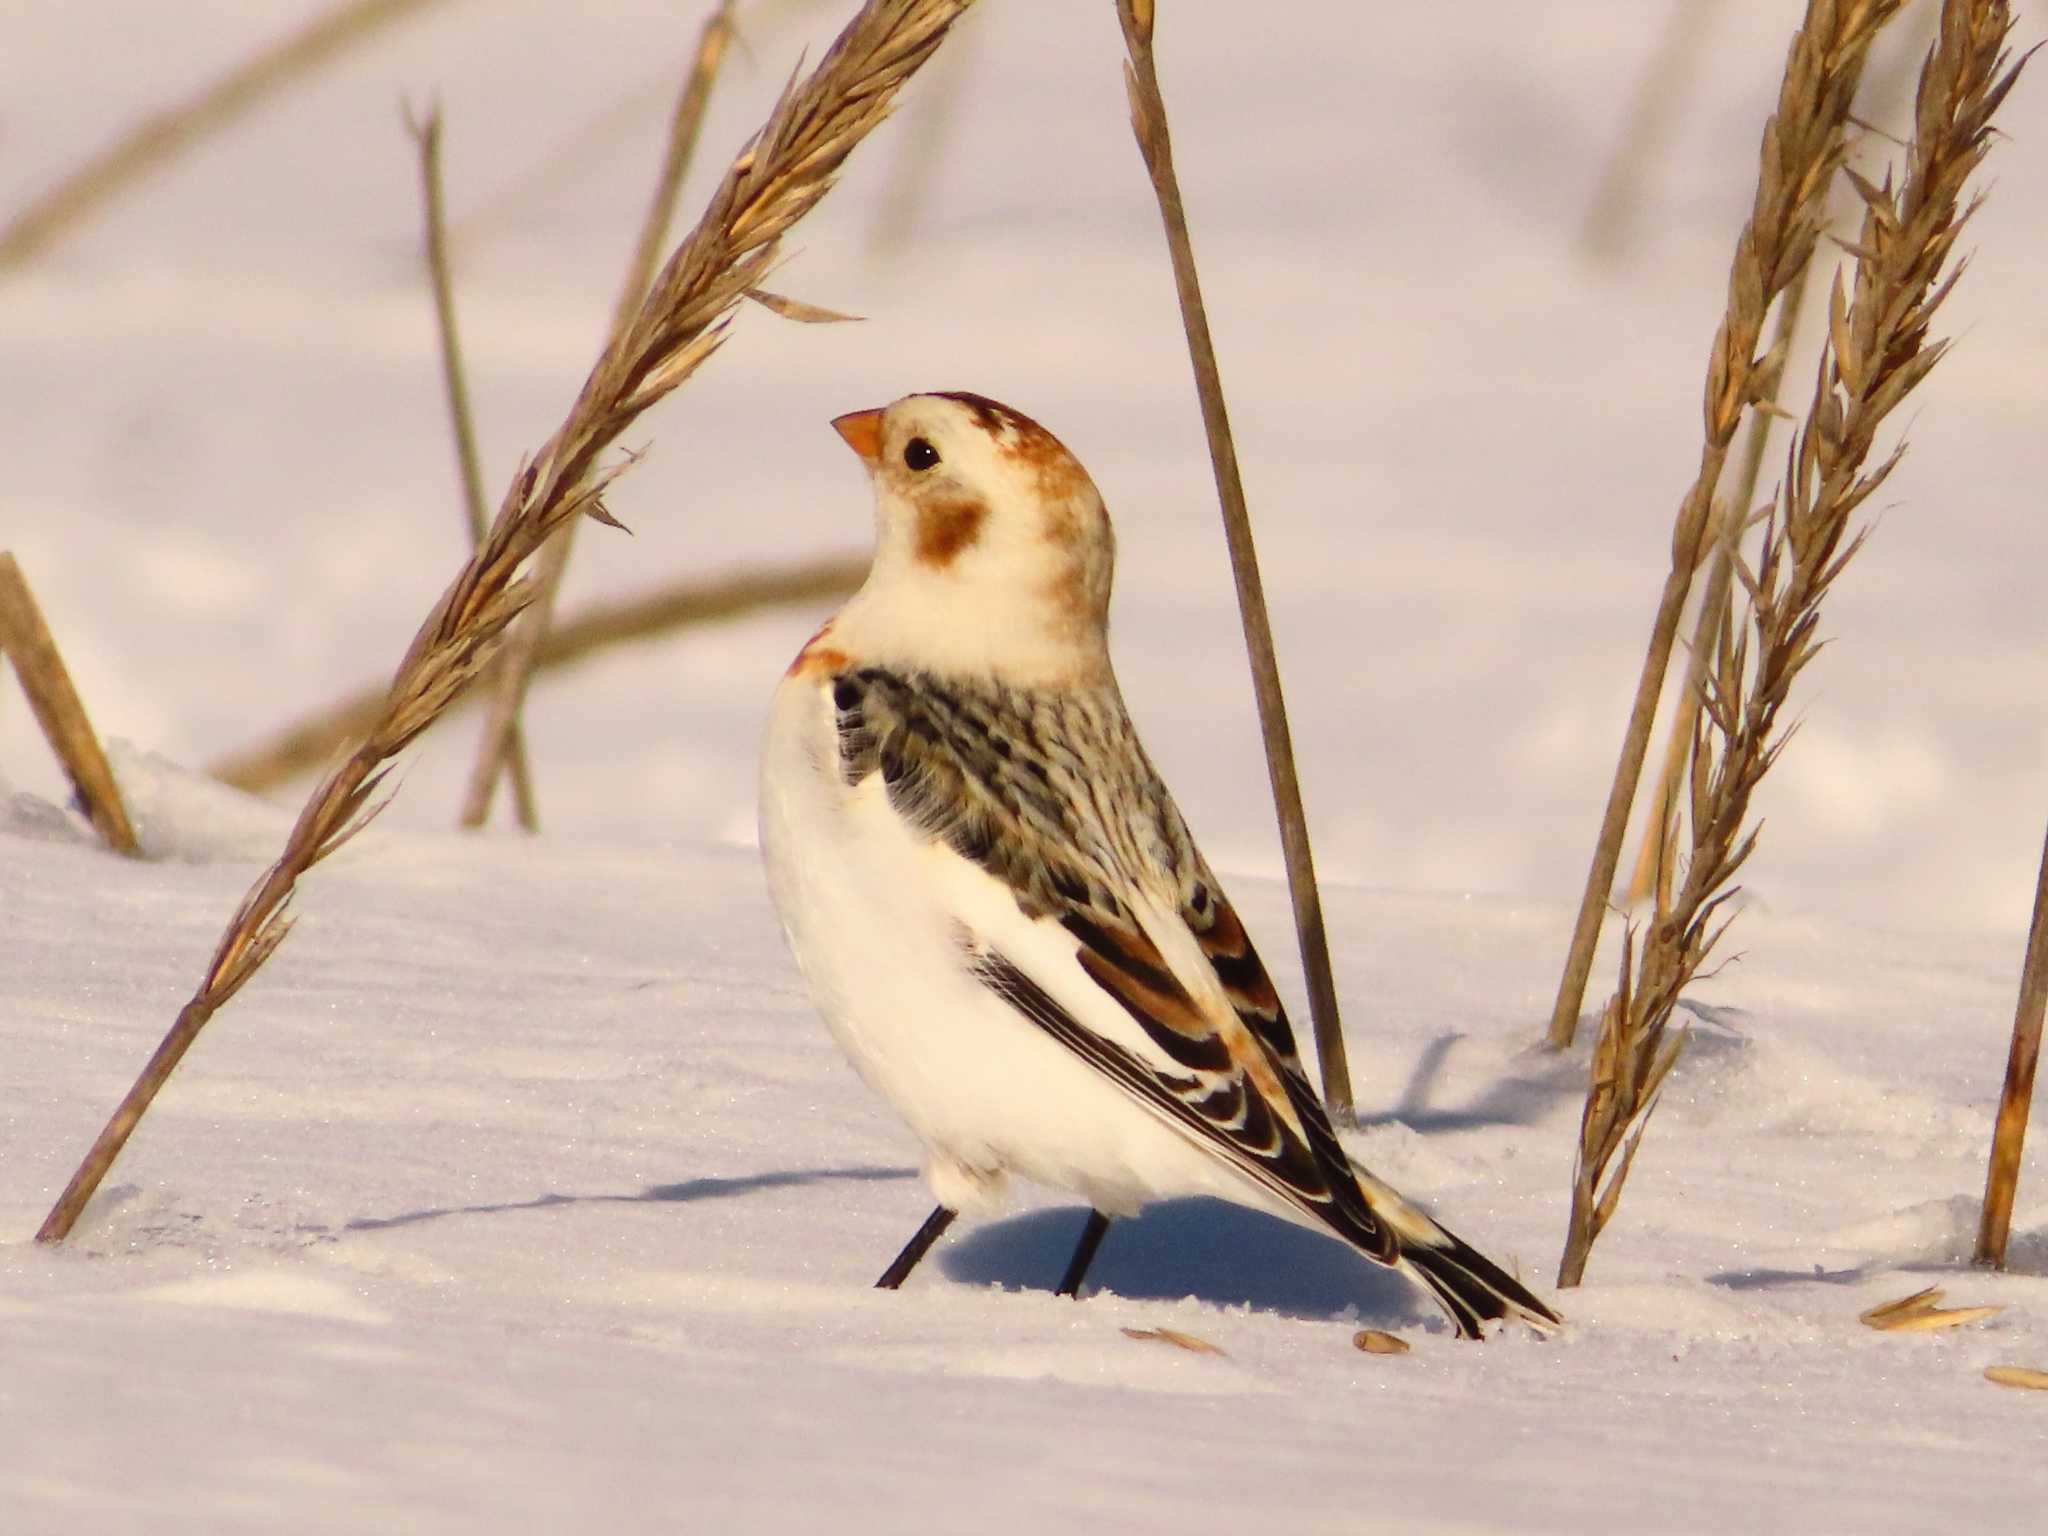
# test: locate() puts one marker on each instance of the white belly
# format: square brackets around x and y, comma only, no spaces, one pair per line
[874,914]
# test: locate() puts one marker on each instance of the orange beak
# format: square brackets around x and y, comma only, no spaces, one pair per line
[863,433]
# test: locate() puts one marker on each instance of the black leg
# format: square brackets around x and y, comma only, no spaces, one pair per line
[900,1267]
[1084,1254]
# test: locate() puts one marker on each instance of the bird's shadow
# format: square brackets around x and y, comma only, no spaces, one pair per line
[687,1191]
[1205,1249]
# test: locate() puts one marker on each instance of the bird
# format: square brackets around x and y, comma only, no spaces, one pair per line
[996,904]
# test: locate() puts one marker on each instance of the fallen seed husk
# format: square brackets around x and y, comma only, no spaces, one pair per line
[1376,1342]
[1932,1318]
[1919,1314]
[2018,1376]
[1175,1337]
[1919,1301]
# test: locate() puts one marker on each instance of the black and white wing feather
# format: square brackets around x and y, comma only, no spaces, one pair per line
[1052,795]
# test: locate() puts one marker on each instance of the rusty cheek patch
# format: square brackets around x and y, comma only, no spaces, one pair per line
[944,528]
[818,657]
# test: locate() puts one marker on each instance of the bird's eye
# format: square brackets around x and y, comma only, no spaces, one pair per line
[919,454]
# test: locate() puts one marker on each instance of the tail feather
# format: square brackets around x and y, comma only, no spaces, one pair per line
[1471,1287]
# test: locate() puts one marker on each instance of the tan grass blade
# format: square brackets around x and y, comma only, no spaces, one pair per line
[781,176]
[162,136]
[441,281]
[495,749]
[312,742]
[26,641]
[798,310]
[2016,1096]
[1155,145]
[1175,1337]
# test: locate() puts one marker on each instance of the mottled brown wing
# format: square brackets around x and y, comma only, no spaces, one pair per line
[979,773]
[1228,948]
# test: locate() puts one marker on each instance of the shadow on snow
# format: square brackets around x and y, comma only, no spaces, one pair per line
[1205,1249]
[668,1194]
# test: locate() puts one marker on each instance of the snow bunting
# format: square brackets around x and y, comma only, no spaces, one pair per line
[999,910]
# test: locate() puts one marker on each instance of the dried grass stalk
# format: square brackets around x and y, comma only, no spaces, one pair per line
[311,743]
[1670,71]
[1877,349]
[1803,146]
[25,639]
[776,180]
[427,134]
[1148,123]
[2009,1134]
[1657,860]
[514,672]
[162,136]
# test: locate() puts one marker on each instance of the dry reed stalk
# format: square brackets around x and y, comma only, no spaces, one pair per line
[778,178]
[908,191]
[1876,351]
[1619,196]
[162,136]
[1803,146]
[514,670]
[427,134]
[311,743]
[25,639]
[2009,1135]
[1657,860]
[1148,124]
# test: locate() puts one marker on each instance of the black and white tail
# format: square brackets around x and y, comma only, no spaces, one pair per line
[1471,1287]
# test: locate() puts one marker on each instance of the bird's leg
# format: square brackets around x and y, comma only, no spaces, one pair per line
[920,1243]
[1084,1254]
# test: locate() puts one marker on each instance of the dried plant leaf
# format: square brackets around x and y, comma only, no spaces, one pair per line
[1175,1337]
[799,311]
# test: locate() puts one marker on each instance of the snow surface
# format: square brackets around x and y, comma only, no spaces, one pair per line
[522,1190]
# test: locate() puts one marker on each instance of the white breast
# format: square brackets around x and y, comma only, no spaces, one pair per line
[876,916]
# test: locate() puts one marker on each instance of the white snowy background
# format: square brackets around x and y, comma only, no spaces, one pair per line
[523,1191]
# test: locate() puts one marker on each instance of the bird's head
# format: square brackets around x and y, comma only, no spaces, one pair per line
[993,553]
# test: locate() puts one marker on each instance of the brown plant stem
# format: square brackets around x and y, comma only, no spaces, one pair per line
[311,743]
[1148,123]
[427,134]
[25,639]
[777,179]
[1802,148]
[1619,195]
[2009,1138]
[163,135]
[514,672]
